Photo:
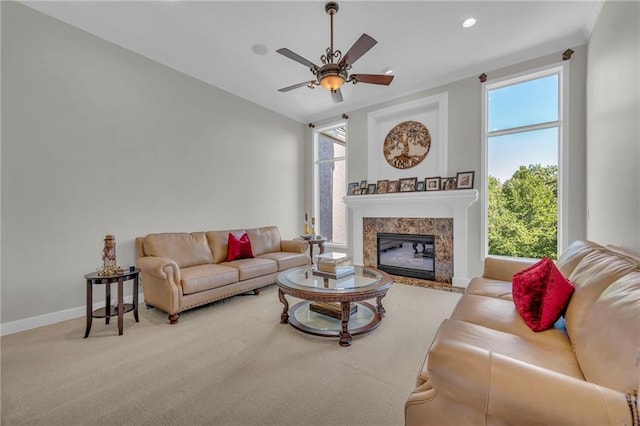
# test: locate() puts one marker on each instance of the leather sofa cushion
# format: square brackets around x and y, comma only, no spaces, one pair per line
[492,288]
[264,240]
[501,315]
[612,336]
[559,358]
[574,254]
[219,243]
[595,272]
[287,260]
[186,249]
[205,277]
[252,268]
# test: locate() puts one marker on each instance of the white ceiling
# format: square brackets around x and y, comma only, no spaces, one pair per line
[423,41]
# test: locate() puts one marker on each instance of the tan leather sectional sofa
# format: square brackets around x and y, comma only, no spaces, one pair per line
[486,367]
[181,271]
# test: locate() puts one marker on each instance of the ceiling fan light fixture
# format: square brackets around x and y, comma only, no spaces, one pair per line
[332,82]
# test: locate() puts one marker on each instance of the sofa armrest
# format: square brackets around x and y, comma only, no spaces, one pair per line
[294,246]
[161,283]
[520,393]
[502,269]
[160,267]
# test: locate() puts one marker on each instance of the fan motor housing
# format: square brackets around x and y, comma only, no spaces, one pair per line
[332,69]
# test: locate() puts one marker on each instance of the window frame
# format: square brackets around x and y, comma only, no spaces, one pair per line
[315,178]
[562,70]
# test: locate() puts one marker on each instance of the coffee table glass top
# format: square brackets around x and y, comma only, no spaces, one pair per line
[304,278]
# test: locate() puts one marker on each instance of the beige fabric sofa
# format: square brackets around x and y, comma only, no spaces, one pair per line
[183,270]
[486,367]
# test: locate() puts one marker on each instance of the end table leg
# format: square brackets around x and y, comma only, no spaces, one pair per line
[135,298]
[345,336]
[107,302]
[120,307]
[89,308]
[284,317]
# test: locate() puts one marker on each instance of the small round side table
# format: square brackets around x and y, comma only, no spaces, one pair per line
[109,311]
[316,241]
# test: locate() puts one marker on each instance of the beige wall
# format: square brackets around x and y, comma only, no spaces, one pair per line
[613,126]
[98,140]
[465,141]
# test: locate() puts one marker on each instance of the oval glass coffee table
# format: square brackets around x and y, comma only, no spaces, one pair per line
[333,307]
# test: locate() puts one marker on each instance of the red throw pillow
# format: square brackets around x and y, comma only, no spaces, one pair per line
[541,294]
[239,248]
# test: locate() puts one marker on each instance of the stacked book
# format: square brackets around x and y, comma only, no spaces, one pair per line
[333,265]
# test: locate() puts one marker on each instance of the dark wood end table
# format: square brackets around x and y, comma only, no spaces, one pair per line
[315,241]
[110,311]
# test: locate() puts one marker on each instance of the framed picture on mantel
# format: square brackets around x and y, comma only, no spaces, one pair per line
[464,180]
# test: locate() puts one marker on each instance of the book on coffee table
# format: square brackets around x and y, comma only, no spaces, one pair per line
[333,310]
[340,271]
[332,262]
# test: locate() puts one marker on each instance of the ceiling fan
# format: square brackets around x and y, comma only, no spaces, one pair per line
[334,71]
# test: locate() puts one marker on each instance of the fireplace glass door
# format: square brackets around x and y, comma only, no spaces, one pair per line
[407,255]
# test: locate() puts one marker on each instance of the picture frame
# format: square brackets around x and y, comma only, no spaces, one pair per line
[432,183]
[464,180]
[392,186]
[448,183]
[363,184]
[382,186]
[407,184]
[371,188]
[351,189]
[420,185]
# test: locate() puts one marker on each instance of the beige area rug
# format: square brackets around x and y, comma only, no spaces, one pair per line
[231,363]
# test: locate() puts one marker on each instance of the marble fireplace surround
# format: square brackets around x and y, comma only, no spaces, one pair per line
[410,206]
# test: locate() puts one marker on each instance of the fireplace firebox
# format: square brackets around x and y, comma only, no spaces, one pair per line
[407,255]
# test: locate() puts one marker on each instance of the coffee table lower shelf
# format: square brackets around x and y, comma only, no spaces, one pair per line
[364,319]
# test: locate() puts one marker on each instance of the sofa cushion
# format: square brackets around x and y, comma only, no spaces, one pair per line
[502,315]
[219,243]
[541,293]
[252,268]
[559,358]
[264,240]
[287,260]
[612,336]
[488,287]
[574,254]
[239,247]
[205,277]
[595,272]
[186,249]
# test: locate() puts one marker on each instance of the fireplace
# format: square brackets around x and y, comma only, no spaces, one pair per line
[439,213]
[408,255]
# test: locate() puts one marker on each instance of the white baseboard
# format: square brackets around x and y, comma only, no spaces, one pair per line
[460,282]
[54,317]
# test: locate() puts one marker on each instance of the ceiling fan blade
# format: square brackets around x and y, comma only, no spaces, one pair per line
[359,48]
[373,78]
[292,55]
[295,86]
[336,95]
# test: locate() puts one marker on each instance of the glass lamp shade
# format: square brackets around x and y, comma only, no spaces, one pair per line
[332,82]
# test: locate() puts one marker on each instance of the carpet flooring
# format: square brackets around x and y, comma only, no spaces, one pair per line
[231,363]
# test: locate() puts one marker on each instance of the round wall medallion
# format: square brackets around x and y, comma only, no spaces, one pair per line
[407,144]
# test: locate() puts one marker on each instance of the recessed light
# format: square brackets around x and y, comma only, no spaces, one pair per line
[259,49]
[469,22]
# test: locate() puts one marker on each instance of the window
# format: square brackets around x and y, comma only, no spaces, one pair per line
[330,183]
[523,133]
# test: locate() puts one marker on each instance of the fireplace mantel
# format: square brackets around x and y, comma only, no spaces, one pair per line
[427,204]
